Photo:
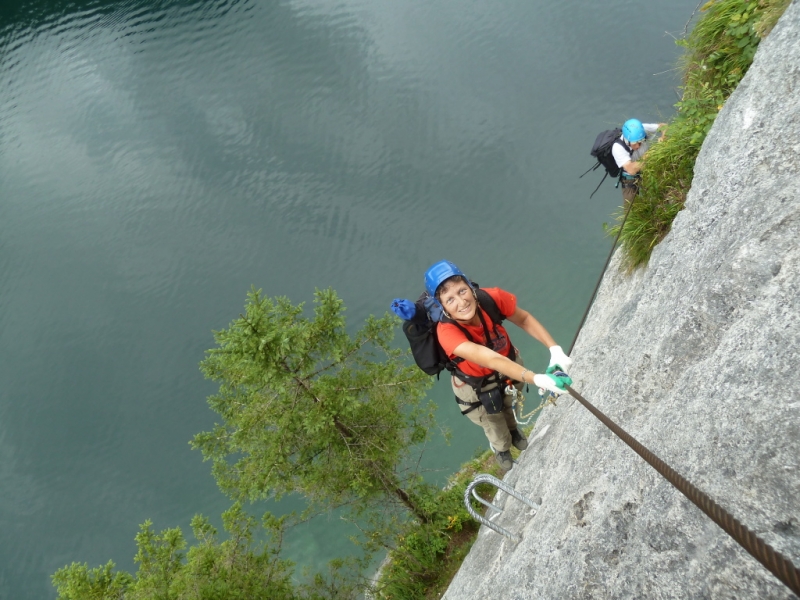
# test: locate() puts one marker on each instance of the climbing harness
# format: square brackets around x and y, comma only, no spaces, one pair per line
[485,478]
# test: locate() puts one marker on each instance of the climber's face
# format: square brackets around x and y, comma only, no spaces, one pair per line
[458,300]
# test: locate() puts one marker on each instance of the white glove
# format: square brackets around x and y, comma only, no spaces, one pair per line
[549,383]
[558,358]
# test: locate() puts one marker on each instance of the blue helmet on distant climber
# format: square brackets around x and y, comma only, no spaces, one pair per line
[633,131]
[438,272]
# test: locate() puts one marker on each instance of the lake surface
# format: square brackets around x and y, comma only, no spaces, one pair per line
[159,158]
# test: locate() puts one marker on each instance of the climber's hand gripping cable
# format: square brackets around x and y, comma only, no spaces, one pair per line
[554,381]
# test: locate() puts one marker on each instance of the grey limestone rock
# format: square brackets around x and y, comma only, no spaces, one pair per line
[698,357]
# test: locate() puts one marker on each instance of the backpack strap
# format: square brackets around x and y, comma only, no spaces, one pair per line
[621,142]
[592,168]
[619,178]
[488,304]
[599,184]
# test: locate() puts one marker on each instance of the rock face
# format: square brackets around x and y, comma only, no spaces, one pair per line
[698,357]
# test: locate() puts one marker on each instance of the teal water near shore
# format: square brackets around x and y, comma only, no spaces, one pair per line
[159,158]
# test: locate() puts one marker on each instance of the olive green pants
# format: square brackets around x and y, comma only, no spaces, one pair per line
[497,427]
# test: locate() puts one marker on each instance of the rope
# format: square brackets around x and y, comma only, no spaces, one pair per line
[775,562]
[602,273]
[517,405]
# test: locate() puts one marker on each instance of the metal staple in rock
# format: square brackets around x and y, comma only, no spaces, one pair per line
[498,483]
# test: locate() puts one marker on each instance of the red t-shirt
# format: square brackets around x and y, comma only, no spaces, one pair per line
[450,336]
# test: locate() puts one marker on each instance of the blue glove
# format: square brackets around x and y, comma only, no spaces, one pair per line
[404,309]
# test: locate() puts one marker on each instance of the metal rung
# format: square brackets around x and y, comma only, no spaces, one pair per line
[485,478]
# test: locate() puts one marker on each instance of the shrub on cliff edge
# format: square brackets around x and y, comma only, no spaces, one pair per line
[719,50]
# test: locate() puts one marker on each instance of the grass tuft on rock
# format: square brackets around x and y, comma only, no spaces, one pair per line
[719,50]
[426,557]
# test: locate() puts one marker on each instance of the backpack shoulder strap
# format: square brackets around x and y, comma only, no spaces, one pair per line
[490,306]
[450,321]
[623,144]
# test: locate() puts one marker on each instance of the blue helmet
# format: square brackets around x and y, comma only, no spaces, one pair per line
[633,131]
[438,272]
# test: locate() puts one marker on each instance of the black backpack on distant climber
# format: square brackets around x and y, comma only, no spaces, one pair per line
[601,150]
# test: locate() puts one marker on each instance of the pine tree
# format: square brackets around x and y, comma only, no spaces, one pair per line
[238,567]
[307,408]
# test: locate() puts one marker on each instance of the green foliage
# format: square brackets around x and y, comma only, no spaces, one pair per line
[79,582]
[160,560]
[773,9]
[424,556]
[342,582]
[719,50]
[237,568]
[306,408]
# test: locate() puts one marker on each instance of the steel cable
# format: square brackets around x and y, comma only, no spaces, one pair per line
[602,274]
[775,562]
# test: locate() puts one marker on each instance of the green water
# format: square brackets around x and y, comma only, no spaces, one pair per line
[156,159]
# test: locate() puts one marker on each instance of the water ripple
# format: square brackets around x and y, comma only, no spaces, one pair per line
[156,159]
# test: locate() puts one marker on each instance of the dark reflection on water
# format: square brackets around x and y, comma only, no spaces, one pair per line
[158,158]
